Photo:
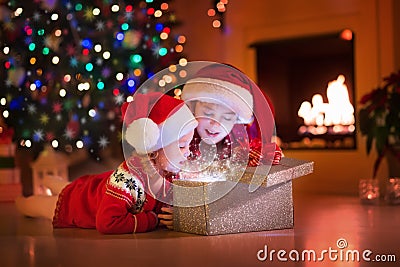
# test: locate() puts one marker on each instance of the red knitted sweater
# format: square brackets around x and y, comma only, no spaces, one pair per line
[113,202]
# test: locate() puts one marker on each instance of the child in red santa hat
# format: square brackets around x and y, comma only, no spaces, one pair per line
[223,99]
[159,128]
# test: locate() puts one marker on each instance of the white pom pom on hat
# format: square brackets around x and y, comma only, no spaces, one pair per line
[142,134]
[155,120]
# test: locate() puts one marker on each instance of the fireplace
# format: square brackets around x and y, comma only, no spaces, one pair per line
[299,75]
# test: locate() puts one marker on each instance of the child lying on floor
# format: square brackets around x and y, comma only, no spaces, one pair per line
[159,128]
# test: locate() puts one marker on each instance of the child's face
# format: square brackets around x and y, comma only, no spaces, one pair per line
[215,121]
[172,157]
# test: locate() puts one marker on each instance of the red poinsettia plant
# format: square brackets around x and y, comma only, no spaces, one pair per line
[380,119]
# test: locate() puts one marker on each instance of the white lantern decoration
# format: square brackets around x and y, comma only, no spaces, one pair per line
[49,163]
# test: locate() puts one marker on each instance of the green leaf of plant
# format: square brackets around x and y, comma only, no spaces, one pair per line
[370,139]
[381,134]
[365,122]
[376,165]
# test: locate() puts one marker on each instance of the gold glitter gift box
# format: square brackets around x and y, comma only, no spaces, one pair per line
[267,208]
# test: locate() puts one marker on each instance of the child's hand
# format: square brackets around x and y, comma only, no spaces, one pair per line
[167,217]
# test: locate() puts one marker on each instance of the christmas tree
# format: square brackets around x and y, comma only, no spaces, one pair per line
[67,66]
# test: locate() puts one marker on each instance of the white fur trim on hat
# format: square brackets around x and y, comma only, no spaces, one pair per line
[177,125]
[146,136]
[142,134]
[239,99]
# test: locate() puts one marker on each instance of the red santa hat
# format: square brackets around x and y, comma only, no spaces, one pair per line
[222,84]
[155,120]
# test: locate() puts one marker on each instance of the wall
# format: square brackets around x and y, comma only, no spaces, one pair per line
[396,30]
[372,21]
[204,43]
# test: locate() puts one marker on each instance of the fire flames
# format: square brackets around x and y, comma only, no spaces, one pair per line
[336,116]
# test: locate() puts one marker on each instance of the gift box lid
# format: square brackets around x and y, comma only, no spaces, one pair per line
[287,169]
[194,192]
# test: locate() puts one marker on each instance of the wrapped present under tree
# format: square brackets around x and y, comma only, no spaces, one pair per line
[10,184]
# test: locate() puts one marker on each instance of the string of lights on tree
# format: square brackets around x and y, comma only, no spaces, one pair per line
[67,66]
[217,13]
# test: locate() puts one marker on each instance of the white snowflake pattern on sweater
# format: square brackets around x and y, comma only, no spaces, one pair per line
[130,184]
